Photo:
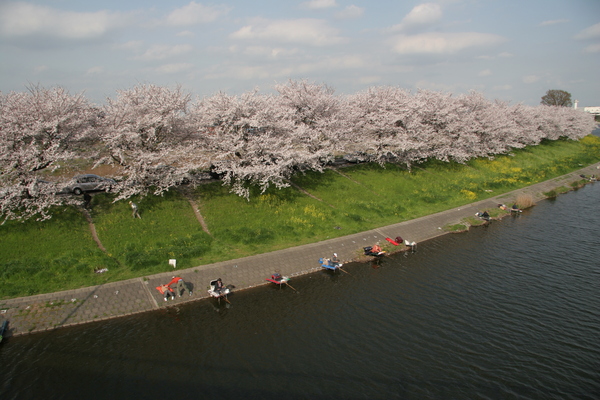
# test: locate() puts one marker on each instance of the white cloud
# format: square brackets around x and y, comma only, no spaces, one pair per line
[40,68]
[195,13]
[303,31]
[270,52]
[319,4]
[428,85]
[593,48]
[161,51]
[502,87]
[500,55]
[95,71]
[185,34]
[442,43]
[369,80]
[420,16]
[241,72]
[554,22]
[285,69]
[130,45]
[173,68]
[485,72]
[531,79]
[350,12]
[337,63]
[591,32]
[24,19]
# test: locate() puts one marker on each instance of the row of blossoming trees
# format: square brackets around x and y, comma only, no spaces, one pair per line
[157,137]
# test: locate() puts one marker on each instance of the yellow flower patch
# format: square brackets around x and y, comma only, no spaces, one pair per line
[469,194]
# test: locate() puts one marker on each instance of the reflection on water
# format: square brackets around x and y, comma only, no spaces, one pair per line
[511,310]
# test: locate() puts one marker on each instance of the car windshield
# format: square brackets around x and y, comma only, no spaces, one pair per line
[88,179]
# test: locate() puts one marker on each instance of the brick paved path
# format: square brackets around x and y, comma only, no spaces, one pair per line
[53,310]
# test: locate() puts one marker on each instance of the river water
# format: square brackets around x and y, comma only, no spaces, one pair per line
[507,311]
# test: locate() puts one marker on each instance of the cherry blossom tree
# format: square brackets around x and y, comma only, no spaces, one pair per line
[242,136]
[39,129]
[315,119]
[557,122]
[316,114]
[158,139]
[440,134]
[264,139]
[391,125]
[149,138]
[380,120]
[575,124]
[487,127]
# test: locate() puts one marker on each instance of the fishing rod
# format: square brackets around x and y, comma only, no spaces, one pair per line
[291,287]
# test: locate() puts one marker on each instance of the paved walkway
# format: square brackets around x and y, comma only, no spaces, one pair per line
[54,310]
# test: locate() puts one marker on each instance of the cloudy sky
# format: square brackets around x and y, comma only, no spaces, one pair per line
[513,50]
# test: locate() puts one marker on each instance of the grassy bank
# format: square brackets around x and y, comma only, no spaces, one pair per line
[59,254]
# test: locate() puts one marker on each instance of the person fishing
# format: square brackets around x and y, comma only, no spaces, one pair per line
[219,286]
[335,260]
[483,215]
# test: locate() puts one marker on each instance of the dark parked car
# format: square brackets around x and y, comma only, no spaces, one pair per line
[356,157]
[88,183]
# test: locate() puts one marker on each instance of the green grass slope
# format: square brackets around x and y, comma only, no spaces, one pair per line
[60,254]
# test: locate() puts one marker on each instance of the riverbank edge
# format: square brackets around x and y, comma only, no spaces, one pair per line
[124,298]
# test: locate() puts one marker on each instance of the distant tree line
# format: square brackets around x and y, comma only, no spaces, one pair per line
[159,137]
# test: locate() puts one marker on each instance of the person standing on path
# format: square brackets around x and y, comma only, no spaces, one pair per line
[134,209]
[87,200]
[181,286]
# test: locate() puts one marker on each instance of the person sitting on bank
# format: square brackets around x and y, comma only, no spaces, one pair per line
[483,215]
[376,249]
[515,208]
[167,292]
[219,286]
[335,260]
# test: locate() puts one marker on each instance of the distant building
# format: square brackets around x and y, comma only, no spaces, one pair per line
[592,110]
